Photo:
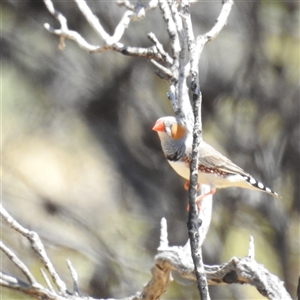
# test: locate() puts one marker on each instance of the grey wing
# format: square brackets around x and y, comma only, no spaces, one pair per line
[210,157]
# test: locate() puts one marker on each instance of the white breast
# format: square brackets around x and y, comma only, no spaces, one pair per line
[181,168]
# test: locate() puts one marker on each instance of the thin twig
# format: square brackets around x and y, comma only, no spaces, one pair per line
[93,21]
[12,282]
[133,13]
[48,282]
[163,243]
[19,264]
[74,36]
[166,57]
[58,15]
[74,277]
[251,250]
[166,72]
[37,246]
[201,40]
[221,21]
[171,28]
[110,42]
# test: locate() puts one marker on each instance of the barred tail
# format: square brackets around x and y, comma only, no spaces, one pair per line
[260,186]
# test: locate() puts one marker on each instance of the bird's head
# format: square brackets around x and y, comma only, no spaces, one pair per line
[170,127]
[174,136]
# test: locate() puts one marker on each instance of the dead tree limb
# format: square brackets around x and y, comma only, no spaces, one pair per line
[238,270]
[169,259]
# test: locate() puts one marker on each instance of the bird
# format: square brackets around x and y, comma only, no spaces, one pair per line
[214,169]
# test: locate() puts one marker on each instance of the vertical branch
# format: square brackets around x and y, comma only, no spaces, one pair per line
[196,48]
[194,222]
[171,28]
[182,94]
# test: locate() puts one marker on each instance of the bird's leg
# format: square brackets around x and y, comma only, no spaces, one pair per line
[199,199]
[187,185]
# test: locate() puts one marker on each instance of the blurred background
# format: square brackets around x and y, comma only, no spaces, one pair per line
[82,167]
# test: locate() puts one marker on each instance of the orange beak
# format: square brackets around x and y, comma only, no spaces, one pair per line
[159,126]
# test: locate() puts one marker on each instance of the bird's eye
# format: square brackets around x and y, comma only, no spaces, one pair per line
[168,131]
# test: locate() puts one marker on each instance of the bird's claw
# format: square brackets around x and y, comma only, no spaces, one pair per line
[201,197]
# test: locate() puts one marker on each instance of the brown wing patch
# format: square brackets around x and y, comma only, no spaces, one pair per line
[177,131]
[204,169]
[216,171]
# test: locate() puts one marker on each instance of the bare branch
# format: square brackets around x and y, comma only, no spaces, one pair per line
[18,263]
[58,15]
[251,250]
[96,25]
[12,282]
[204,214]
[165,56]
[221,21]
[74,277]
[37,291]
[46,278]
[33,288]
[148,53]
[201,40]
[196,48]
[163,243]
[37,246]
[237,270]
[74,36]
[182,90]
[187,23]
[171,28]
[195,222]
[159,282]
[155,52]
[166,73]
[172,97]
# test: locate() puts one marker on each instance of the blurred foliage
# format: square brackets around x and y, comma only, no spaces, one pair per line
[82,167]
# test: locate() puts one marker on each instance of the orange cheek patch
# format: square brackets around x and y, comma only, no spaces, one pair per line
[177,131]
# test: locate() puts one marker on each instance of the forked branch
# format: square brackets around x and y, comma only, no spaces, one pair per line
[238,270]
[169,259]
